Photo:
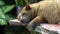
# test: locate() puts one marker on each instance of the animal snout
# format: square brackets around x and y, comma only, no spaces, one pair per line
[22,20]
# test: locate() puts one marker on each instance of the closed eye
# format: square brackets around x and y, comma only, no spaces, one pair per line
[24,13]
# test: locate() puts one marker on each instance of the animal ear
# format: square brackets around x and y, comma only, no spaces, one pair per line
[27,7]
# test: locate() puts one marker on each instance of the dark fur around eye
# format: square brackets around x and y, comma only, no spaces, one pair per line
[23,13]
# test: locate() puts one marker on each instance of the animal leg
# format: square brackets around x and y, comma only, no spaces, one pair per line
[36,21]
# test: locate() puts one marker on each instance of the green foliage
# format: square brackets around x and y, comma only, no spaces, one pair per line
[7,8]
[2,15]
[3,22]
[3,10]
[21,3]
[9,17]
[5,17]
[2,3]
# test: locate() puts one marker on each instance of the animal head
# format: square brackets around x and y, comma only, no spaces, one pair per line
[26,14]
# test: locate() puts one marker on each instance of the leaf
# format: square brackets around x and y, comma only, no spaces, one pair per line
[8,8]
[2,15]
[0,9]
[1,3]
[9,17]
[4,18]
[3,22]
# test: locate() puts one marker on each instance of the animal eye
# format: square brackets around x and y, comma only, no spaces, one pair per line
[23,13]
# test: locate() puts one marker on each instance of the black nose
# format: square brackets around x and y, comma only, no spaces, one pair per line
[22,21]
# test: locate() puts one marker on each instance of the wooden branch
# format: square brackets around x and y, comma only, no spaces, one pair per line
[15,22]
[48,28]
[43,28]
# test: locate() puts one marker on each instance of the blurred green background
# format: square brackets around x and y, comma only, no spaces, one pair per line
[8,12]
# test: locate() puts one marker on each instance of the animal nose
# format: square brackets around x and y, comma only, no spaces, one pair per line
[22,21]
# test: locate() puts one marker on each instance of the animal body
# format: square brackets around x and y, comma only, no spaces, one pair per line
[41,12]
